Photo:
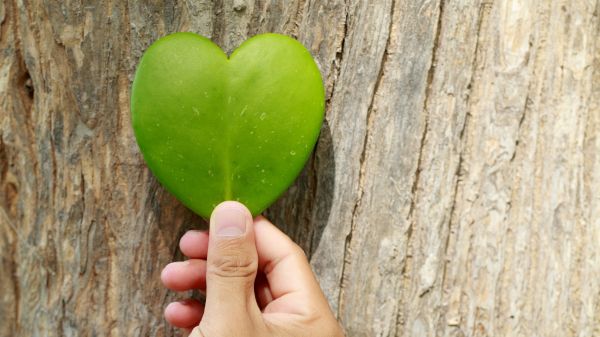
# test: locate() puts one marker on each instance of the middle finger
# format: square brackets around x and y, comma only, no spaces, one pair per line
[185,275]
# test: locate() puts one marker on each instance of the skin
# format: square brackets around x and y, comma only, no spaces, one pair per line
[257,281]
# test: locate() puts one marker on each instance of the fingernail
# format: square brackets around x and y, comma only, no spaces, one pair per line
[230,223]
[195,232]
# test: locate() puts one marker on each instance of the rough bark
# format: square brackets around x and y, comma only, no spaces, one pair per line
[453,191]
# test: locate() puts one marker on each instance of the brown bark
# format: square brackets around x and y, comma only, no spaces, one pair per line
[453,191]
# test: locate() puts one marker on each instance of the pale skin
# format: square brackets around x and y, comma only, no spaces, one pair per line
[257,281]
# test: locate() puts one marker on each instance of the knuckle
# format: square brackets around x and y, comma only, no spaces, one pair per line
[197,332]
[234,265]
[331,328]
[298,251]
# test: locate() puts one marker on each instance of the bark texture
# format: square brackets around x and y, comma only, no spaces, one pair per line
[453,191]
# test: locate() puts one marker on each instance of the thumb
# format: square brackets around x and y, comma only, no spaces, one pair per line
[232,262]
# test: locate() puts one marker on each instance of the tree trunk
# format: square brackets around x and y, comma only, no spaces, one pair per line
[453,191]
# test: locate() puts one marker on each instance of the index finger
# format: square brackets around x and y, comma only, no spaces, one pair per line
[283,261]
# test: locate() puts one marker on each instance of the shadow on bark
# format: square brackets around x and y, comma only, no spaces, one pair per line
[303,210]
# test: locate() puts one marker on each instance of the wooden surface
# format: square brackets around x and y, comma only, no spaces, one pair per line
[454,190]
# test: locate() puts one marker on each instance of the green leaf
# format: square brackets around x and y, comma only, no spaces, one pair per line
[213,128]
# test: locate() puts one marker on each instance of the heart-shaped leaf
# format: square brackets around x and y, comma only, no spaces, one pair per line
[213,128]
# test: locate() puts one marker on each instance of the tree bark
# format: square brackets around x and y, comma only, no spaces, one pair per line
[453,191]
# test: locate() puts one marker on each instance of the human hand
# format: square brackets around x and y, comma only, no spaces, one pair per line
[258,282]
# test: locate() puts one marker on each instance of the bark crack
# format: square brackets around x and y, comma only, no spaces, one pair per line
[298,18]
[337,62]
[526,106]
[369,118]
[23,241]
[13,273]
[313,182]
[483,13]
[426,108]
[336,69]
[3,21]
[218,24]
[521,120]
[417,174]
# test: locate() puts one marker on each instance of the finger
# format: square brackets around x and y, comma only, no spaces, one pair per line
[194,244]
[184,314]
[283,262]
[232,262]
[262,291]
[185,275]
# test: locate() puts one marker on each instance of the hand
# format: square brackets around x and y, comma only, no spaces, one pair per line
[258,282]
